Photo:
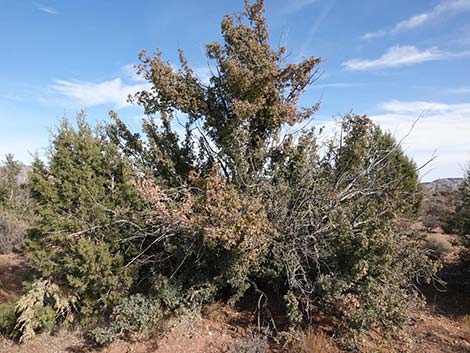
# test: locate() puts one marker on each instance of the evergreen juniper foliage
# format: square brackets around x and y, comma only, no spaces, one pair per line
[82,194]
[245,200]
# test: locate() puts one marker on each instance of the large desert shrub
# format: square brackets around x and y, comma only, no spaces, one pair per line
[315,222]
[240,203]
[205,236]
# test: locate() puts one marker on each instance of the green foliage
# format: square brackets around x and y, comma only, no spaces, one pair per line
[84,180]
[136,314]
[81,197]
[251,95]
[294,313]
[162,155]
[460,221]
[168,292]
[88,267]
[7,318]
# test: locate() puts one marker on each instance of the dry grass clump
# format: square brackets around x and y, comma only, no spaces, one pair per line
[438,244]
[314,342]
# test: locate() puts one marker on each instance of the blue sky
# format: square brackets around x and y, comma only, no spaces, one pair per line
[393,60]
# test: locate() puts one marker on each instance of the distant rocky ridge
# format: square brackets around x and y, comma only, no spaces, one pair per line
[440,202]
[443,185]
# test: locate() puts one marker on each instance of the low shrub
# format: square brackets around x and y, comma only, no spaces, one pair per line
[7,318]
[134,315]
[438,210]
[431,221]
[168,293]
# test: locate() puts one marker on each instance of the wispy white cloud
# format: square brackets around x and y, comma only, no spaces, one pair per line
[9,97]
[293,6]
[113,92]
[460,90]
[442,128]
[400,56]
[47,9]
[323,14]
[336,85]
[445,7]
[302,3]
[129,72]
[396,106]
